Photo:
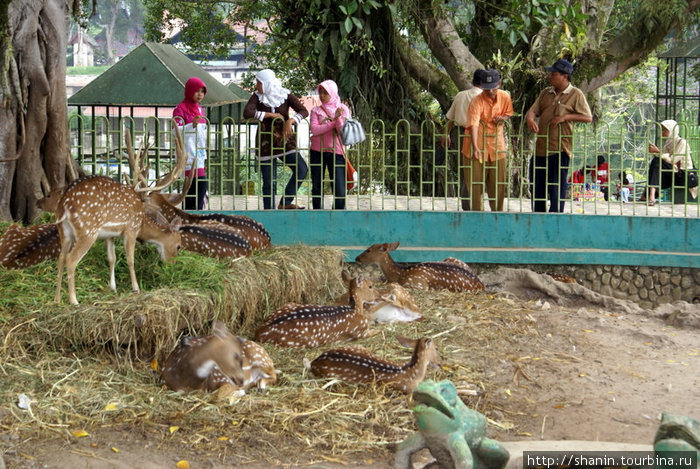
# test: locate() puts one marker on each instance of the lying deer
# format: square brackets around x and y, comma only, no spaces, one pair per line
[258,369]
[391,304]
[305,326]
[214,242]
[357,365]
[24,247]
[206,362]
[449,274]
[97,207]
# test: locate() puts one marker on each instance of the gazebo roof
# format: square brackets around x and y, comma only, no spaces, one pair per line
[690,49]
[151,75]
[239,92]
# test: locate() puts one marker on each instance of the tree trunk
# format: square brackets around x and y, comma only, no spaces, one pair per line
[33,129]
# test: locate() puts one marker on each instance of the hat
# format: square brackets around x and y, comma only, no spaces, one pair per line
[561,66]
[478,76]
[490,79]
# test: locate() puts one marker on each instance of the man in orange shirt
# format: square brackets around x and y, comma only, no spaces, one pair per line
[484,145]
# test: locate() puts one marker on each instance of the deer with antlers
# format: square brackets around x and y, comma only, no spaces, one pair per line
[357,365]
[97,207]
[450,274]
[306,326]
[253,231]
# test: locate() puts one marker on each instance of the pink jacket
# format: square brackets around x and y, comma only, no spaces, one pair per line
[325,129]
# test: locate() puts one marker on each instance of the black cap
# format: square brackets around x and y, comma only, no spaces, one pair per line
[490,79]
[561,66]
[478,76]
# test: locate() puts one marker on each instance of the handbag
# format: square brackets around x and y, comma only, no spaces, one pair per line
[351,176]
[352,133]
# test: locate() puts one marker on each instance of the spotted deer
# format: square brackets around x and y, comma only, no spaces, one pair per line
[390,304]
[449,274]
[23,247]
[205,362]
[306,326]
[253,231]
[214,242]
[97,207]
[257,366]
[357,365]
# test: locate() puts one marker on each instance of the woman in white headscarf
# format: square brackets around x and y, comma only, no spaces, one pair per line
[669,166]
[271,105]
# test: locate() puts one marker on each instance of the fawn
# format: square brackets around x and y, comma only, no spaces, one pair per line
[449,274]
[305,326]
[357,365]
[206,362]
[391,304]
[257,366]
[24,247]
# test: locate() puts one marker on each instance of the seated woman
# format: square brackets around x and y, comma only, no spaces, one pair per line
[670,164]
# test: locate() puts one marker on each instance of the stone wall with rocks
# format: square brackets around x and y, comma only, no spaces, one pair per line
[646,286]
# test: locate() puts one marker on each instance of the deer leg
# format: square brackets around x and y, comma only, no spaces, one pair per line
[129,246]
[78,251]
[61,265]
[111,257]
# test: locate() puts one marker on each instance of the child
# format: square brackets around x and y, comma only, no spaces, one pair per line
[600,175]
[625,186]
[189,115]
[576,180]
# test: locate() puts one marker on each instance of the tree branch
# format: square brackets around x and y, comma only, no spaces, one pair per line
[444,42]
[424,73]
[629,48]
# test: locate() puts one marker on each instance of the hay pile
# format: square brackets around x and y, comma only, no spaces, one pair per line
[89,367]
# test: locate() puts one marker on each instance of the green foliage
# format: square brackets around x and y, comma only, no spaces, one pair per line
[86,70]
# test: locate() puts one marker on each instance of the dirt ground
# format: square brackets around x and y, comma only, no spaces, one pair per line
[592,368]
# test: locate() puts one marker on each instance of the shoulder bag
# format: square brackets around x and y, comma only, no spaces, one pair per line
[351,174]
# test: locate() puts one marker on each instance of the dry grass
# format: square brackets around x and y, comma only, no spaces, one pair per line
[89,366]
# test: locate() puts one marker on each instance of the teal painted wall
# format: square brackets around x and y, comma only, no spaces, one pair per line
[503,238]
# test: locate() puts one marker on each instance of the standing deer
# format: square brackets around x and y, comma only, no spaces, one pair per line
[206,362]
[449,274]
[305,326]
[24,247]
[357,365]
[97,207]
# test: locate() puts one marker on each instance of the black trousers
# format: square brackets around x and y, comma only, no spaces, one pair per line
[660,172]
[335,165]
[548,179]
[197,195]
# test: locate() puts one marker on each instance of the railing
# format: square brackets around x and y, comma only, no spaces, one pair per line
[400,167]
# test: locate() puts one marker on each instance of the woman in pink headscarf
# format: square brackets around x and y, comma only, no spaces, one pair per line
[190,115]
[327,151]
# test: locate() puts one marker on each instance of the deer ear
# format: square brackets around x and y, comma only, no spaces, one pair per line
[406,342]
[220,330]
[392,246]
[176,224]
[346,278]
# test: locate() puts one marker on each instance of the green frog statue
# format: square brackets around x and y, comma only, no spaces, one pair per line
[454,434]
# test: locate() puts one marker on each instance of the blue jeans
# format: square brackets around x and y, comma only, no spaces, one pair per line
[268,170]
[335,164]
[548,179]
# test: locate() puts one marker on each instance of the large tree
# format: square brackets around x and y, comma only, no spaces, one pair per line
[388,56]
[33,147]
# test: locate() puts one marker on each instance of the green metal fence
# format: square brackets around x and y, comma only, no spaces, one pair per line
[400,166]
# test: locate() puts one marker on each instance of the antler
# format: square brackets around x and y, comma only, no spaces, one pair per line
[180,162]
[176,199]
[136,163]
